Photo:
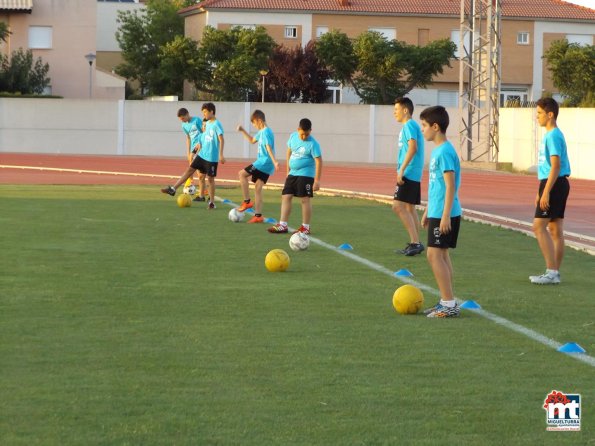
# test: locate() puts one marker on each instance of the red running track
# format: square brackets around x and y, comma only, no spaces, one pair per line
[503,194]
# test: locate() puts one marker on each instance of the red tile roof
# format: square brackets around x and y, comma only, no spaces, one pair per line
[534,9]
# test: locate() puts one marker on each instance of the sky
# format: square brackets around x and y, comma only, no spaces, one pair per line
[588,3]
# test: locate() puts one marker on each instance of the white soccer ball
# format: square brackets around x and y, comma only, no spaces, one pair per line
[299,241]
[190,190]
[235,215]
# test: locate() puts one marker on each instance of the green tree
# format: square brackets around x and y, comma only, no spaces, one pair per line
[19,73]
[572,67]
[141,36]
[378,69]
[178,60]
[4,32]
[230,61]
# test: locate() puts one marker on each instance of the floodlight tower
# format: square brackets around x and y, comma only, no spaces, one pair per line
[479,79]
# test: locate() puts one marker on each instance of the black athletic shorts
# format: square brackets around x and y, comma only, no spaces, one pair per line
[558,197]
[409,192]
[437,239]
[257,174]
[298,186]
[204,166]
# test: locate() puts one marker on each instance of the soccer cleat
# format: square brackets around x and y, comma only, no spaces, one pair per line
[303,230]
[278,229]
[256,219]
[404,250]
[211,206]
[532,278]
[548,278]
[169,190]
[197,198]
[444,311]
[244,206]
[414,249]
[431,309]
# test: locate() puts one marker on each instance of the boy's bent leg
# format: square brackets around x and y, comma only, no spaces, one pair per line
[184,177]
[171,190]
[243,175]
[258,218]
[258,196]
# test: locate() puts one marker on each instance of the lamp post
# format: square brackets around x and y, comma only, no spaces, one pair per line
[263,73]
[90,58]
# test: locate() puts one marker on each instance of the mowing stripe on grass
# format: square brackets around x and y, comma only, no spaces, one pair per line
[531,334]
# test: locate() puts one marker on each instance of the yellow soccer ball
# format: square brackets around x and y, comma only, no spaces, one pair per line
[184,201]
[408,299]
[277,260]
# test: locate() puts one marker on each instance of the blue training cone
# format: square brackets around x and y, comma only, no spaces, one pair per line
[571,347]
[404,273]
[250,211]
[345,246]
[226,201]
[270,220]
[470,305]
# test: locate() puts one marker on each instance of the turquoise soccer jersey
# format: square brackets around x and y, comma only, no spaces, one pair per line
[263,162]
[444,158]
[193,129]
[210,141]
[411,130]
[301,161]
[552,144]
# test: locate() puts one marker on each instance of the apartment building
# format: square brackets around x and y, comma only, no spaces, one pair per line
[528,28]
[75,37]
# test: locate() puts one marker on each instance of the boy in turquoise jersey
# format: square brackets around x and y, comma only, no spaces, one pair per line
[207,159]
[192,127]
[304,167]
[442,216]
[410,166]
[553,169]
[260,170]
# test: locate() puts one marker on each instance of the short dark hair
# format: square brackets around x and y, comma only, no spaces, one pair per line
[406,103]
[436,115]
[182,112]
[305,124]
[549,105]
[257,114]
[208,106]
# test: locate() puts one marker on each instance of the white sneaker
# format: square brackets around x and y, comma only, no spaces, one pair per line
[546,279]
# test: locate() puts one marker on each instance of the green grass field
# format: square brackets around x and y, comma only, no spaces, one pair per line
[125,320]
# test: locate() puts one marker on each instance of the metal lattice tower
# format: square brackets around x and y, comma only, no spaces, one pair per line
[479,79]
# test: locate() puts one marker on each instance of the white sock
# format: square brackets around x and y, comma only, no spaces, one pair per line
[553,271]
[283,223]
[306,226]
[448,303]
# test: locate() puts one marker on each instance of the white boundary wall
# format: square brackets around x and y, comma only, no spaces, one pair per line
[347,133]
